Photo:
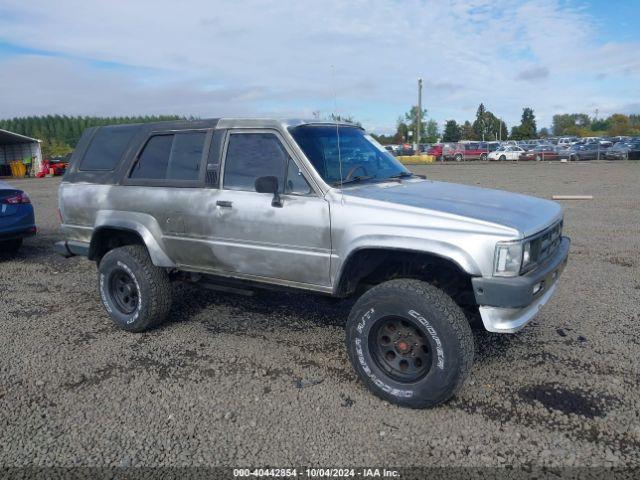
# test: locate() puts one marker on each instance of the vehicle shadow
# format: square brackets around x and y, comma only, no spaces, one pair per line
[275,310]
[272,308]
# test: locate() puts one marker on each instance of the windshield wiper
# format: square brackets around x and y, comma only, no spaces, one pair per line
[357,178]
[398,177]
[402,175]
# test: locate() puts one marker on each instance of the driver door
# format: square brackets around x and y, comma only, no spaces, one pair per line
[253,237]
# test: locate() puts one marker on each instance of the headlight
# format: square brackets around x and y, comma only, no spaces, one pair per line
[508,259]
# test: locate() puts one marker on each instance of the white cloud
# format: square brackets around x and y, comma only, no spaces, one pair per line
[275,57]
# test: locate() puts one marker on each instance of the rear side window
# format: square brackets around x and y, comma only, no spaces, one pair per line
[253,155]
[186,155]
[154,159]
[171,157]
[107,147]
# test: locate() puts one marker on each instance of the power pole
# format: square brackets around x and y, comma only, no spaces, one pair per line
[417,149]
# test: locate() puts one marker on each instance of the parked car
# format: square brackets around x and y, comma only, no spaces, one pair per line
[436,150]
[56,166]
[628,150]
[493,146]
[17,220]
[529,146]
[406,149]
[586,151]
[541,152]
[470,151]
[506,152]
[238,204]
[566,142]
[390,149]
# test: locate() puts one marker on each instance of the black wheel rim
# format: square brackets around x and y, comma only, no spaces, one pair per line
[123,291]
[400,349]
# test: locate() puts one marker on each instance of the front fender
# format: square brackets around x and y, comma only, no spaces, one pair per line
[440,249]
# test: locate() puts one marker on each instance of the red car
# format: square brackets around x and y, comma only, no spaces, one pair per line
[541,152]
[470,151]
[442,151]
[436,150]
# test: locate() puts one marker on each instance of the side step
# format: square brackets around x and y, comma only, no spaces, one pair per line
[209,283]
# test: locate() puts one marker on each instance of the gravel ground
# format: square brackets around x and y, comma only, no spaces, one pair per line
[264,380]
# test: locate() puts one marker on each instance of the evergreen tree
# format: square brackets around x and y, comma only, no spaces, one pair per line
[467,131]
[451,131]
[431,133]
[527,128]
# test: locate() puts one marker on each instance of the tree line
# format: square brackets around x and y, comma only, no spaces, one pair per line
[487,126]
[60,133]
[582,125]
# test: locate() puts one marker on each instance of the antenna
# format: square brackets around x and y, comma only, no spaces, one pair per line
[335,118]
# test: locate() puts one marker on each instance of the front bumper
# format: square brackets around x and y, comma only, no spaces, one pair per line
[507,304]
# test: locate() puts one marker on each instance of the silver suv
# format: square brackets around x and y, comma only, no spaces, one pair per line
[237,204]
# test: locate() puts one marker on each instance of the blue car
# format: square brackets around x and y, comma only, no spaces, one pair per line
[16,218]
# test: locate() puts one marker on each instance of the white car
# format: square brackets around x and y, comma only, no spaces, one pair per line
[506,152]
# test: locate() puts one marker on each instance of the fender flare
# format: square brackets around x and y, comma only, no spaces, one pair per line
[144,225]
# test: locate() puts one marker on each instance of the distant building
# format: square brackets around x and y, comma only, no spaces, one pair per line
[19,148]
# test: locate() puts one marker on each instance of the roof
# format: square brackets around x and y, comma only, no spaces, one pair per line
[10,138]
[228,122]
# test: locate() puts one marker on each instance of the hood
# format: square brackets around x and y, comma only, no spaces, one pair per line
[524,213]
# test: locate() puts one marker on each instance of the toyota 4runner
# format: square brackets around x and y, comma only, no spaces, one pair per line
[317,206]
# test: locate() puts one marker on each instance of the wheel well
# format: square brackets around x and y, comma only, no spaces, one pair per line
[108,238]
[368,267]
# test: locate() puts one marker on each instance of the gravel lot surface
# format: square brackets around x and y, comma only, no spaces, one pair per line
[264,380]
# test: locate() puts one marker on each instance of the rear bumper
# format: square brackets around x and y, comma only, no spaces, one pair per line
[18,233]
[508,304]
[17,221]
[71,248]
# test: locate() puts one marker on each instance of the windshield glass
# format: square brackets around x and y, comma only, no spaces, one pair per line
[361,155]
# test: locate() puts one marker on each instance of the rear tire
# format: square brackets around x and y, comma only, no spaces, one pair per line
[458,158]
[483,157]
[135,293]
[502,158]
[9,247]
[409,343]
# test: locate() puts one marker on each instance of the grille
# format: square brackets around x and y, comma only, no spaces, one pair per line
[545,244]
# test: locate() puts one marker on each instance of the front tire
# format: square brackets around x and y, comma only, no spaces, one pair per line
[409,343]
[483,157]
[458,158]
[135,293]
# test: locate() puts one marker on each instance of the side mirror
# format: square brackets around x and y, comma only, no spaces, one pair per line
[269,184]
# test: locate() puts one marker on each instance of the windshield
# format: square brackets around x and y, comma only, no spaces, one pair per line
[362,157]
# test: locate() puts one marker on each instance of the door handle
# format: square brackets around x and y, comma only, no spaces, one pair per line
[224,203]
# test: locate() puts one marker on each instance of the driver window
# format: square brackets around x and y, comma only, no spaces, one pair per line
[253,155]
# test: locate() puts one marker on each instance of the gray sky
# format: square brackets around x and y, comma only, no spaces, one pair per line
[290,58]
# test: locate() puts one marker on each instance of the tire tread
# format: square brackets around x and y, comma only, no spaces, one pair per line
[454,316]
[158,280]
